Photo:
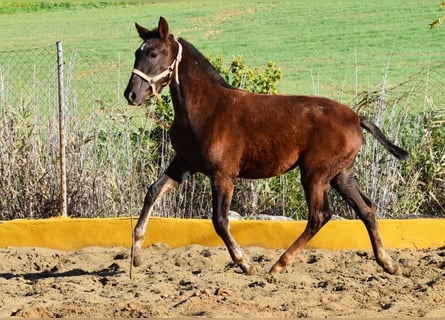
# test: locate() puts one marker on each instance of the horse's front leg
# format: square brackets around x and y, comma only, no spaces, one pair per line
[222,191]
[172,177]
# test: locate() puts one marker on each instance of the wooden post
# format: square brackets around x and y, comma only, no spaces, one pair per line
[62,137]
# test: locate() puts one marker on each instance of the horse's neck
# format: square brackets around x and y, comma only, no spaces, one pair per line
[196,84]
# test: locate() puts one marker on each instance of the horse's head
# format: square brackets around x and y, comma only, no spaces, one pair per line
[156,63]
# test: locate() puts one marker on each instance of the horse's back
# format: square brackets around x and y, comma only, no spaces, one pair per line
[301,121]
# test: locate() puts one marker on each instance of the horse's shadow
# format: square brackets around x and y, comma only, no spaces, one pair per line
[111,270]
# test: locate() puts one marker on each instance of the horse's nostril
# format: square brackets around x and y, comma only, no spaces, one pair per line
[131,96]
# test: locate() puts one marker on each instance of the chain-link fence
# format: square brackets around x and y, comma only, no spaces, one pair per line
[29,129]
[111,157]
[411,115]
[31,75]
[28,105]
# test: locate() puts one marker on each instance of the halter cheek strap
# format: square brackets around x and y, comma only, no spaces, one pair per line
[151,81]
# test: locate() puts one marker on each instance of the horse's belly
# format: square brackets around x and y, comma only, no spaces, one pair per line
[267,164]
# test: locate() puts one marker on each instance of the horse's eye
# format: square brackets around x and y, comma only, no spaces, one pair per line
[153,55]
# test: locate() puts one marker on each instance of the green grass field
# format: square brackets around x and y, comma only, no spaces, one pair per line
[336,49]
[330,48]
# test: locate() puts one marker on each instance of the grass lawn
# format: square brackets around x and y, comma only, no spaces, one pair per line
[331,48]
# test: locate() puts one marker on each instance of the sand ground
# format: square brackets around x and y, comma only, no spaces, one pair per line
[196,281]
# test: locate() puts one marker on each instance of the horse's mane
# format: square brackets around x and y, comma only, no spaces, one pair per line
[199,57]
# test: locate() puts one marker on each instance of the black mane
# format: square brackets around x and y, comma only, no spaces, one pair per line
[199,57]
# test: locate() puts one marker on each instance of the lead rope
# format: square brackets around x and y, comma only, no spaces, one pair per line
[152,83]
[132,184]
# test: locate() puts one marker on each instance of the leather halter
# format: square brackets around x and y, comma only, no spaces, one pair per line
[151,81]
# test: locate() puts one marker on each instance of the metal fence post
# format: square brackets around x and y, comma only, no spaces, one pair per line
[62,137]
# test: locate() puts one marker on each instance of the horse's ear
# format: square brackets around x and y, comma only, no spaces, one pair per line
[163,28]
[141,30]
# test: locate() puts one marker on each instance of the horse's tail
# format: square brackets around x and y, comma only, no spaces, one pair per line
[398,152]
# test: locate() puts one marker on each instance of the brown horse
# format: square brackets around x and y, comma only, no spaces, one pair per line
[227,133]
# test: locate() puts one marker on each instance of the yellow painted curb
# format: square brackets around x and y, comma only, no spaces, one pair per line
[71,234]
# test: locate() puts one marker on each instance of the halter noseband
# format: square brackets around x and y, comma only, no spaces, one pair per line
[168,72]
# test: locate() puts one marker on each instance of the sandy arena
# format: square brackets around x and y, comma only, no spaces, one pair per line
[197,281]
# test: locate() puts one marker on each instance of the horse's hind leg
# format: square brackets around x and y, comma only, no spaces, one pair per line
[222,191]
[348,188]
[172,177]
[319,213]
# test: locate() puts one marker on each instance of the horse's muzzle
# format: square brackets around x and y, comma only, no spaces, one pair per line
[134,97]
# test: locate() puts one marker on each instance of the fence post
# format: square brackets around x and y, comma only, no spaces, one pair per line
[62,137]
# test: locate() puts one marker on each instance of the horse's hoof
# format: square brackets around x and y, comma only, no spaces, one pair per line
[276,269]
[251,270]
[394,270]
[137,260]
[389,267]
